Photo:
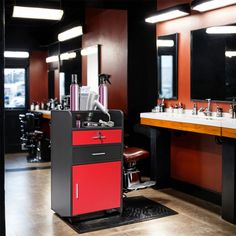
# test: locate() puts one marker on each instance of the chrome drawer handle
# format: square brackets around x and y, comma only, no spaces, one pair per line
[100,136]
[99,154]
[77,191]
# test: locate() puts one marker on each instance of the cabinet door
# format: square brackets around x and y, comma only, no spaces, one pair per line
[96,187]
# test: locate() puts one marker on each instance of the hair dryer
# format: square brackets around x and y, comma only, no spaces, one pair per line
[93,103]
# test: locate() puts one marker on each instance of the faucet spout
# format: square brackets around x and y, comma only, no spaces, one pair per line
[207,111]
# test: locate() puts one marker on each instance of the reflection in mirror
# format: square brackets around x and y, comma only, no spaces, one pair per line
[93,66]
[213,63]
[70,63]
[167,54]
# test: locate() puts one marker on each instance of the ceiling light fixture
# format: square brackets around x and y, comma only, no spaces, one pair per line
[52,59]
[165,43]
[37,13]
[230,54]
[89,50]
[201,5]
[16,54]
[230,29]
[169,13]
[67,56]
[71,33]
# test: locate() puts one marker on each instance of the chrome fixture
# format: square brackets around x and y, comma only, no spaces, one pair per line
[207,111]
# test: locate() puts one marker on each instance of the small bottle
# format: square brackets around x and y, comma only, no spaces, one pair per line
[194,111]
[74,94]
[231,111]
[180,108]
[162,106]
[77,121]
[103,90]
[234,112]
[171,109]
[36,107]
[32,107]
[219,111]
[176,108]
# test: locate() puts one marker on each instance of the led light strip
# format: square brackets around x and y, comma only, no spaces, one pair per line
[37,13]
[210,5]
[16,54]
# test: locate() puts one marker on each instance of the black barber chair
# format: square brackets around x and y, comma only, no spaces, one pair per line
[31,135]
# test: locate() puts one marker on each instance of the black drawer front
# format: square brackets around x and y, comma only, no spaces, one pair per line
[96,153]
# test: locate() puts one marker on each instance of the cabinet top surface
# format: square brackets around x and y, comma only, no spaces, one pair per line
[189,122]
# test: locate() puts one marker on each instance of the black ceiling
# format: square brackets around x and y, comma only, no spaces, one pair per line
[40,33]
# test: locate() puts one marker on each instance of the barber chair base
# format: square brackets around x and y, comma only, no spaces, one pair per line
[143,185]
[34,159]
[132,181]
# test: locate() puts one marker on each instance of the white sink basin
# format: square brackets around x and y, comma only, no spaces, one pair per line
[194,119]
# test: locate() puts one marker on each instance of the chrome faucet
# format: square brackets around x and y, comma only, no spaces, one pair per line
[207,111]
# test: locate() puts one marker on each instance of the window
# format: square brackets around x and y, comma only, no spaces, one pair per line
[14,87]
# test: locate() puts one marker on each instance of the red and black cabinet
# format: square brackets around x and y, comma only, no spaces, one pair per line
[86,164]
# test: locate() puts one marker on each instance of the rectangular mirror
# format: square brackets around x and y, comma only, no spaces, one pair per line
[213,63]
[167,63]
[92,55]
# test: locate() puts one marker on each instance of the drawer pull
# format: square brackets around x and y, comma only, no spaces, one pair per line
[100,136]
[77,191]
[99,154]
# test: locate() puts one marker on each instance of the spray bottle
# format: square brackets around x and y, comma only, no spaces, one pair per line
[103,90]
[74,94]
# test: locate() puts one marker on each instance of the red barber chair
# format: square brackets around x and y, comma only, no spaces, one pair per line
[132,177]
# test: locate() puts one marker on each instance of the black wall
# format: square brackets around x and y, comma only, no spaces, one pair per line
[142,64]
[2,171]
[142,72]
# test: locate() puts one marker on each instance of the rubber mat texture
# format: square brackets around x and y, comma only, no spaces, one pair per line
[135,209]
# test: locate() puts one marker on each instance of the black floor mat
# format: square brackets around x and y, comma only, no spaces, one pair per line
[135,209]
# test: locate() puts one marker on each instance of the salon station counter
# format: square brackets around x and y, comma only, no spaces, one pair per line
[46,114]
[223,127]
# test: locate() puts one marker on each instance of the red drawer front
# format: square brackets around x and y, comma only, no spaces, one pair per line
[96,187]
[96,137]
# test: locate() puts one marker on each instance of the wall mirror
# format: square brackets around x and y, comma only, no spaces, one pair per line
[167,63]
[92,63]
[213,63]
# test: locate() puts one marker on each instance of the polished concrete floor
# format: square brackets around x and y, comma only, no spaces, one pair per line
[15,161]
[28,212]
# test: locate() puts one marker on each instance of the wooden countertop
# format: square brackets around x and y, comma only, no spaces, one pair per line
[46,113]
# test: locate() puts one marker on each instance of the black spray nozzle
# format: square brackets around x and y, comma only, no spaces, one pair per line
[103,78]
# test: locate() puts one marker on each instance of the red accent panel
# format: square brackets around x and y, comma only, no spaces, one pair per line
[198,165]
[195,159]
[112,35]
[38,77]
[97,186]
[96,137]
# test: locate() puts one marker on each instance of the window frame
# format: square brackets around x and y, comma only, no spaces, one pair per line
[26,68]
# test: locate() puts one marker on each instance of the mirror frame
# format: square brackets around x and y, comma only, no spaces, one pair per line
[168,51]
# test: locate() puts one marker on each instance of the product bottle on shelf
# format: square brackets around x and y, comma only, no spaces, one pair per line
[74,94]
[103,90]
